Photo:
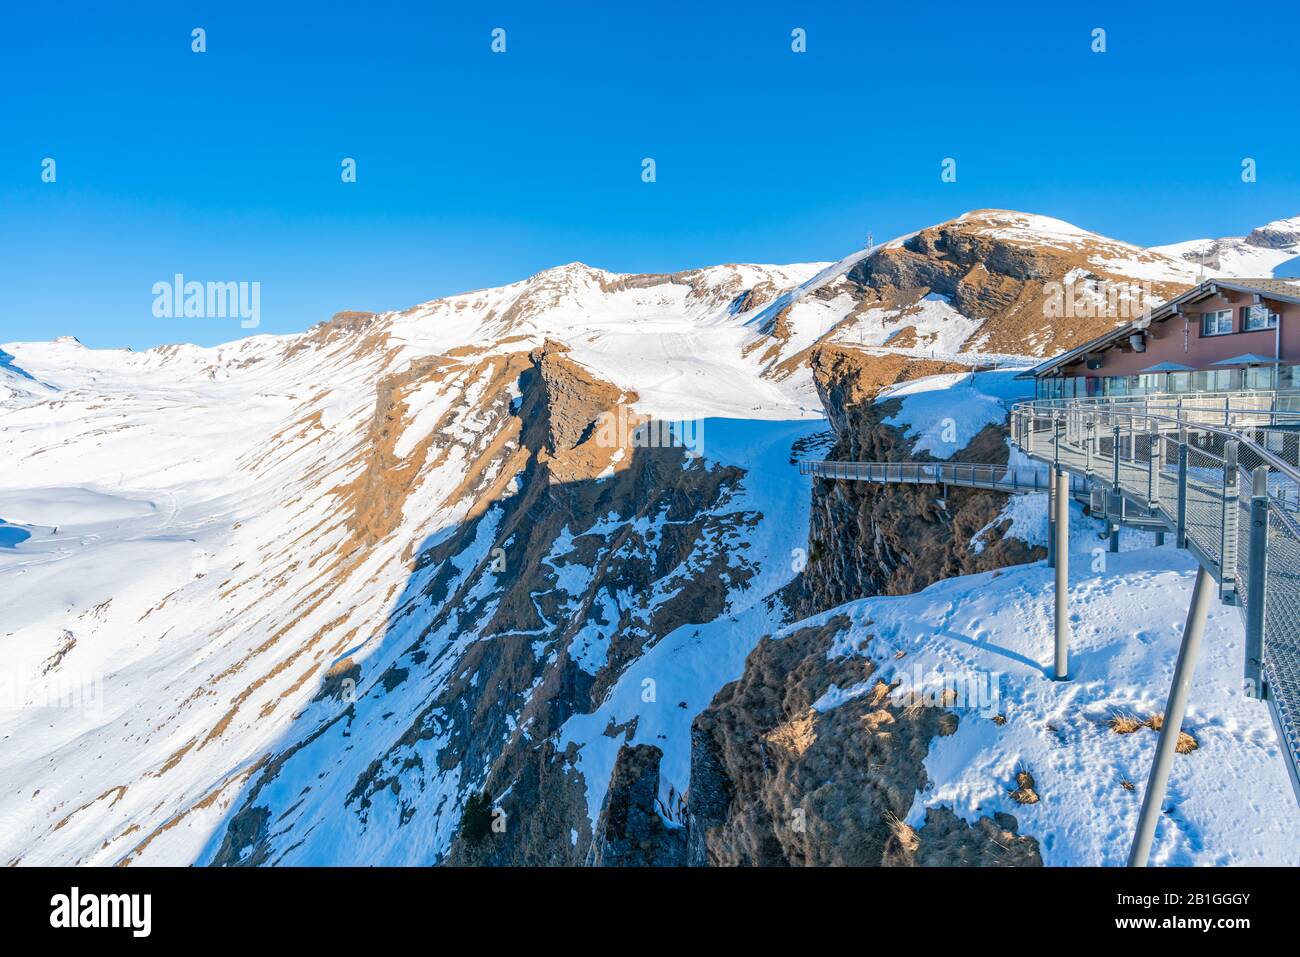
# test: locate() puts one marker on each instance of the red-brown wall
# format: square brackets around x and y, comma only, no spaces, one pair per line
[1165,341]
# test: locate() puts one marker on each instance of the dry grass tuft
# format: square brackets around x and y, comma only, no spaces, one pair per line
[1187,743]
[879,693]
[1024,792]
[1123,723]
[903,832]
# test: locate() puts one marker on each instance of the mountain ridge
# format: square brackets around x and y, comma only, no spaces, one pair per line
[335,583]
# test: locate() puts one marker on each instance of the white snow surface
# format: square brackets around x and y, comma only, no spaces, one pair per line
[1257,255]
[180,509]
[1229,801]
[942,413]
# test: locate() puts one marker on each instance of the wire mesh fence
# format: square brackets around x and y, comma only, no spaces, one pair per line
[1222,471]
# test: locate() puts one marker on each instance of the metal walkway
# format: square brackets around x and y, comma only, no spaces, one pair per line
[1221,471]
[1016,480]
[1000,478]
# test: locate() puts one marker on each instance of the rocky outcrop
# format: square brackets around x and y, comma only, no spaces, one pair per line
[577,554]
[630,831]
[866,539]
[993,274]
[776,781]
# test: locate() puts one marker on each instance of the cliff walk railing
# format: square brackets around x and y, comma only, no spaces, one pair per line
[1024,478]
[1223,473]
[1219,470]
[1017,480]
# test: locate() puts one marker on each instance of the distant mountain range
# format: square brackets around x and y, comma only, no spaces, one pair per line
[387,592]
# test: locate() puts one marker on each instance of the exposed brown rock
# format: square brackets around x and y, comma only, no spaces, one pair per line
[867,539]
[839,794]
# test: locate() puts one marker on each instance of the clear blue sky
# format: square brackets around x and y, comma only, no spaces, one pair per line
[477,169]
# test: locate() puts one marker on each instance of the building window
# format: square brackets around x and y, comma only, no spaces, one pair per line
[1259,377]
[1216,323]
[1259,317]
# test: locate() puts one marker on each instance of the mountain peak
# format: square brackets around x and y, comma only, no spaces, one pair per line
[1278,234]
[567,270]
[1013,224]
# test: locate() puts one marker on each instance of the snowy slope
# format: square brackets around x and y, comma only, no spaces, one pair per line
[1255,255]
[187,519]
[200,543]
[1229,801]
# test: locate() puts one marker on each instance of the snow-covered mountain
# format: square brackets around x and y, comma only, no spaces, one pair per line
[1259,253]
[419,587]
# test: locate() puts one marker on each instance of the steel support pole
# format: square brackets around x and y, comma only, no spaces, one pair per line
[1175,708]
[1062,573]
[1256,582]
[1180,533]
[1051,518]
[1229,513]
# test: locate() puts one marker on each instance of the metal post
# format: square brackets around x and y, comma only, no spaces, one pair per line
[1256,582]
[1155,450]
[1114,454]
[1160,539]
[1051,517]
[1112,520]
[1228,525]
[1175,708]
[1180,533]
[1062,573]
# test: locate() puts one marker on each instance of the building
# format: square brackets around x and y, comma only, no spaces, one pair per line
[1222,335]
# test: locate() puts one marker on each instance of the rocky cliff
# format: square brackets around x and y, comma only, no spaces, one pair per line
[869,539]
[778,781]
[567,569]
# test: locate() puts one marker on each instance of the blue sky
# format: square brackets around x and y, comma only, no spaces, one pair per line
[477,169]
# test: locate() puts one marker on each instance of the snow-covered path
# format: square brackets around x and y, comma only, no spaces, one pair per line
[1229,800]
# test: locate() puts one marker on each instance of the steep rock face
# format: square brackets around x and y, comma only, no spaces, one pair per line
[867,539]
[776,781]
[631,831]
[995,267]
[576,556]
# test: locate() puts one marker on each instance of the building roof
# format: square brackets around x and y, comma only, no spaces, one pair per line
[1287,290]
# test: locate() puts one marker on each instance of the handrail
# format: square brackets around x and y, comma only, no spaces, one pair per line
[1215,485]
[1227,493]
[1280,464]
